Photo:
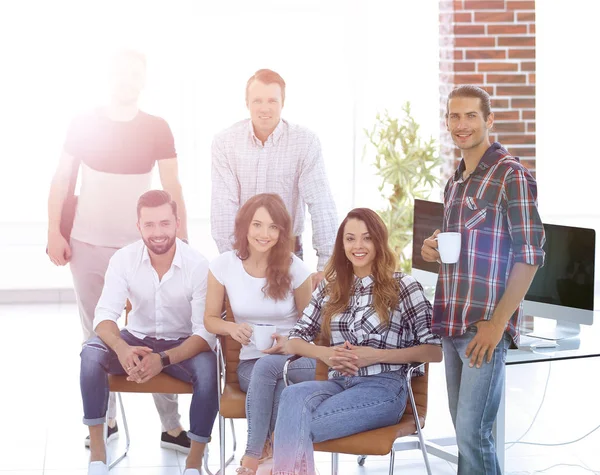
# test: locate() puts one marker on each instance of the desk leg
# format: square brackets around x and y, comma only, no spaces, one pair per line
[498,430]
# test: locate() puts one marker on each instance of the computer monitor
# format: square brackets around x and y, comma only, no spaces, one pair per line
[563,289]
[428,217]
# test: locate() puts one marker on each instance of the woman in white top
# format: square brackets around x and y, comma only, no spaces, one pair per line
[266,284]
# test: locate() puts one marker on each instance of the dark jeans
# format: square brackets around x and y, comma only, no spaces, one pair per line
[98,361]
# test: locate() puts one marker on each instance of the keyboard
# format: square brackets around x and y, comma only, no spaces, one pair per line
[528,342]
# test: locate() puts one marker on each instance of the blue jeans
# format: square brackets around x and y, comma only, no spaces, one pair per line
[474,398]
[98,361]
[316,411]
[262,381]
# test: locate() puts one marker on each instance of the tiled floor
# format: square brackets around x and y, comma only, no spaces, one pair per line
[41,430]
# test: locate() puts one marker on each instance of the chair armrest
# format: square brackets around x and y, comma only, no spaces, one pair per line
[412,367]
[291,359]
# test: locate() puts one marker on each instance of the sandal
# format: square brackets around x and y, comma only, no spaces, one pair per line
[244,471]
[267,451]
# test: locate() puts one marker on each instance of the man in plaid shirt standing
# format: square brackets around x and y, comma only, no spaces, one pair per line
[268,154]
[492,201]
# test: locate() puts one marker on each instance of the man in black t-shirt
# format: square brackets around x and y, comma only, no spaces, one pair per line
[115,149]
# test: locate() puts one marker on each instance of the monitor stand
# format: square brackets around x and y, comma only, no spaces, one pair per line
[562,331]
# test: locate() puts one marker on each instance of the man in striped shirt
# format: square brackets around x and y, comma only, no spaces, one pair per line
[266,154]
[491,200]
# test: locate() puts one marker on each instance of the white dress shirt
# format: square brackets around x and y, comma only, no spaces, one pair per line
[290,163]
[167,309]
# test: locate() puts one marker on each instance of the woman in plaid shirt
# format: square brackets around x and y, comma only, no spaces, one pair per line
[370,321]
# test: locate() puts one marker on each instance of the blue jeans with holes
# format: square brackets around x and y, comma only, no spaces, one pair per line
[316,411]
[474,398]
[262,381]
[98,361]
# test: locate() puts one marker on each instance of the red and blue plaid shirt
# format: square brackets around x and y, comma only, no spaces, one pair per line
[495,210]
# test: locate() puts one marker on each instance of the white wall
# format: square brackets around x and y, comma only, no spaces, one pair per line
[342,60]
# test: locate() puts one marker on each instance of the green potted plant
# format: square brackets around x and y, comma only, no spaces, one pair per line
[409,168]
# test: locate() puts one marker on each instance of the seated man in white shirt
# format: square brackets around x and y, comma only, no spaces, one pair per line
[165,281]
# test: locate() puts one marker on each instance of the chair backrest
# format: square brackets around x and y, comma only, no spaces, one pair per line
[231,350]
[419,386]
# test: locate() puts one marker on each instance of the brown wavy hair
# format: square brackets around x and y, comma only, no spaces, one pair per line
[339,273]
[278,266]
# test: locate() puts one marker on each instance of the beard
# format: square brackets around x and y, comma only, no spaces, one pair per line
[162,247]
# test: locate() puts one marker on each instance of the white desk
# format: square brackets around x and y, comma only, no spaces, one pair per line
[587,345]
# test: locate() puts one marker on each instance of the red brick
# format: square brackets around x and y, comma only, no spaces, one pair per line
[521,53]
[506,115]
[487,88]
[464,67]
[458,54]
[530,127]
[484,5]
[477,41]
[468,79]
[522,151]
[520,5]
[494,17]
[528,66]
[518,139]
[522,103]
[463,17]
[516,41]
[500,103]
[507,78]
[525,16]
[532,28]
[507,29]
[504,66]
[515,90]
[531,78]
[469,29]
[528,115]
[511,127]
[485,54]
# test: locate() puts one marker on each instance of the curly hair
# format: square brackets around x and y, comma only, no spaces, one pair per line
[339,273]
[279,280]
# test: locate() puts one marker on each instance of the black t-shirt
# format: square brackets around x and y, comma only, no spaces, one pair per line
[111,146]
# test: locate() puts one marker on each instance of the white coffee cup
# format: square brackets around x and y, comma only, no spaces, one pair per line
[262,335]
[449,247]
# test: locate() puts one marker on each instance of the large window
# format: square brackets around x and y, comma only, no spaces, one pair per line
[342,60]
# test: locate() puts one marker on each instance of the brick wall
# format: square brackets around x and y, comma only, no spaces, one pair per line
[491,43]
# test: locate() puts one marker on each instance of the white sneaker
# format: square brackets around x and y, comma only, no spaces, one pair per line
[98,468]
[190,471]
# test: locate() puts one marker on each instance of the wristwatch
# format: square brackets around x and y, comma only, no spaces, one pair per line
[164,359]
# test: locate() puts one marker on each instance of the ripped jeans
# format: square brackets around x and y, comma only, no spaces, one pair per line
[98,361]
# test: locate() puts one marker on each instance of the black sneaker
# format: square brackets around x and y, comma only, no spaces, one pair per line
[181,443]
[113,434]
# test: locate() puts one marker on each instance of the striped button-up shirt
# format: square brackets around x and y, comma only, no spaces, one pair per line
[495,210]
[359,324]
[290,163]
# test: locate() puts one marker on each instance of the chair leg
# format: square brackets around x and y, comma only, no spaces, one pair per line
[205,460]
[419,431]
[392,460]
[221,445]
[334,463]
[222,462]
[234,441]
[126,427]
